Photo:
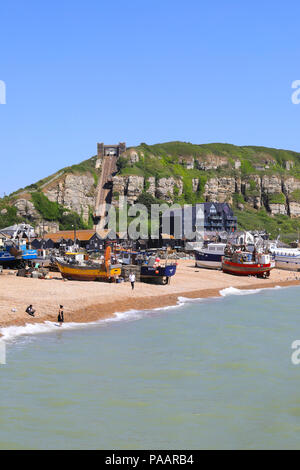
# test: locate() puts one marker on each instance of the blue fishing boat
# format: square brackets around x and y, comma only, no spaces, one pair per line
[158,274]
[151,268]
[13,255]
[210,256]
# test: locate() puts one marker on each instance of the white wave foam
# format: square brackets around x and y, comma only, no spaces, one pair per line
[123,316]
[184,300]
[10,333]
[235,291]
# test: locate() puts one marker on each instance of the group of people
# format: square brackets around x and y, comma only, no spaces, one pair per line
[60,318]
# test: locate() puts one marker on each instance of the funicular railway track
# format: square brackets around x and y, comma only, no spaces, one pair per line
[104,189]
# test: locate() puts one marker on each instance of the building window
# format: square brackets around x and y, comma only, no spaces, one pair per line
[213,210]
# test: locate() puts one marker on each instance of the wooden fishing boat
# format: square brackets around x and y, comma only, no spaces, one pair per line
[248,264]
[158,274]
[82,271]
[210,256]
[151,269]
[16,256]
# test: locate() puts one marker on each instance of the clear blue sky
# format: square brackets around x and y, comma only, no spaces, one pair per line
[82,72]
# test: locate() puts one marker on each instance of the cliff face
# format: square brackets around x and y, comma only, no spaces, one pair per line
[133,186]
[257,191]
[249,177]
[75,192]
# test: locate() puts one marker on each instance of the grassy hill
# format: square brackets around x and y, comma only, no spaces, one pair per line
[165,160]
[168,156]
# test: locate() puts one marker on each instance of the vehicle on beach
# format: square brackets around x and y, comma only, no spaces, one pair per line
[75,267]
[243,255]
[245,263]
[210,256]
[152,268]
[158,274]
[286,258]
[13,255]
[16,251]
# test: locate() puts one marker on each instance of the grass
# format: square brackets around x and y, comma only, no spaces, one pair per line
[86,166]
[53,211]
[276,198]
[295,196]
[251,219]
[9,215]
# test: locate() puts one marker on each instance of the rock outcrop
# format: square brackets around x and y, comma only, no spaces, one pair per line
[26,210]
[220,189]
[46,227]
[188,162]
[133,186]
[150,186]
[294,209]
[168,187]
[75,192]
[211,162]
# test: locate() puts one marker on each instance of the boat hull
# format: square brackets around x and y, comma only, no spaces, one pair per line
[8,259]
[287,264]
[160,274]
[88,273]
[247,269]
[208,260]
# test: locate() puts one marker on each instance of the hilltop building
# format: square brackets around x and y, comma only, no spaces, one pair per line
[109,151]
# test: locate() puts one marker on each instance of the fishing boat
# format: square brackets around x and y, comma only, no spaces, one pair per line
[210,256]
[158,274]
[286,258]
[152,268]
[16,254]
[74,267]
[16,250]
[245,263]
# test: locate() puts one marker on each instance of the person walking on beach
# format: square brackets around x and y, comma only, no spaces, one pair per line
[60,317]
[132,279]
[30,310]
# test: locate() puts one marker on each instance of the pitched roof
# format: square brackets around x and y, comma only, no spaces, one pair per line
[82,235]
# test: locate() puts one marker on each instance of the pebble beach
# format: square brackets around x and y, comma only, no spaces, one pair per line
[91,301]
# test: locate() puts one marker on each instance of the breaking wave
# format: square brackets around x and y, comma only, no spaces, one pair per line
[235,291]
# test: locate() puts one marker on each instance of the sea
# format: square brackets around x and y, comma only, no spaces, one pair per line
[214,373]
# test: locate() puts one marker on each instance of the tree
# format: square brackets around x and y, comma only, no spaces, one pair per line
[147,199]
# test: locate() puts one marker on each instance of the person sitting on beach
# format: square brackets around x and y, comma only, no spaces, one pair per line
[30,310]
[132,279]
[60,317]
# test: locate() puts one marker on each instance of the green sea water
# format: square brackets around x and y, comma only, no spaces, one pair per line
[209,374]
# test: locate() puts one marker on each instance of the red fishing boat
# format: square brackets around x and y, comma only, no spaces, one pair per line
[243,263]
